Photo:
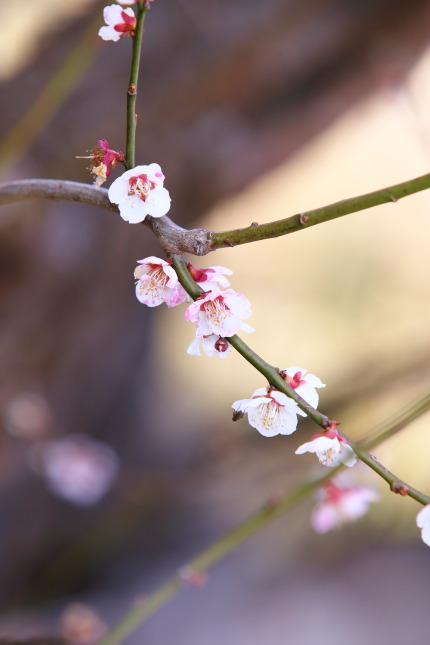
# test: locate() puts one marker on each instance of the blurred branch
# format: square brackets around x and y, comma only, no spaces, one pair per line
[256,232]
[132,87]
[50,99]
[189,573]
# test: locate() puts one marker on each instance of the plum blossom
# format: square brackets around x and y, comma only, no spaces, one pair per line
[214,345]
[78,468]
[103,159]
[303,383]
[339,503]
[423,523]
[126,2]
[330,448]
[119,22]
[210,279]
[157,282]
[218,312]
[139,192]
[269,411]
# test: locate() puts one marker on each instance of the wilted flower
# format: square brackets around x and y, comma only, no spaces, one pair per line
[157,282]
[219,312]
[139,192]
[340,503]
[78,468]
[303,383]
[330,448]
[120,22]
[103,159]
[423,523]
[270,411]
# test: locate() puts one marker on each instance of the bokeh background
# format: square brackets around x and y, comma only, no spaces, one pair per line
[255,111]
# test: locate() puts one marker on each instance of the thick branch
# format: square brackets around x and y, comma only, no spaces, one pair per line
[255,232]
[172,237]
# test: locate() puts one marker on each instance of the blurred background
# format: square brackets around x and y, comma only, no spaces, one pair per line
[118,456]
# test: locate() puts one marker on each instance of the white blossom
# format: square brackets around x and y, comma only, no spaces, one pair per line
[218,312]
[340,503]
[269,411]
[157,282]
[331,450]
[78,468]
[119,22]
[139,192]
[304,384]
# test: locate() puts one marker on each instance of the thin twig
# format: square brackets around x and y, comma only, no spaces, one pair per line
[132,88]
[301,221]
[234,538]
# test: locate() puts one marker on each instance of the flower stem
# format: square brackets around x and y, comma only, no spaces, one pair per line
[234,538]
[301,221]
[130,161]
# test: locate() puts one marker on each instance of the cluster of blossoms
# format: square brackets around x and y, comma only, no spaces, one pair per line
[219,313]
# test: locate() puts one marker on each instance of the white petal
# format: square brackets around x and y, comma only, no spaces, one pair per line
[109,33]
[158,202]
[245,327]
[423,517]
[324,518]
[112,14]
[348,456]
[425,535]
[133,209]
[194,347]
[308,394]
[118,191]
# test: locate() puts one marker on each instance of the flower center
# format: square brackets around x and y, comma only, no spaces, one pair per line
[140,186]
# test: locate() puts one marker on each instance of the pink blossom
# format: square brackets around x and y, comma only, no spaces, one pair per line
[303,383]
[103,159]
[120,22]
[423,523]
[219,312]
[139,192]
[157,282]
[210,279]
[126,2]
[330,448]
[78,468]
[340,503]
[269,411]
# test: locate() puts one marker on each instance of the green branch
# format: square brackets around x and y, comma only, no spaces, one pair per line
[132,88]
[272,375]
[234,538]
[298,222]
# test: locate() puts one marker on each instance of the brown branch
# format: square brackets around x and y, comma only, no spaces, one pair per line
[172,237]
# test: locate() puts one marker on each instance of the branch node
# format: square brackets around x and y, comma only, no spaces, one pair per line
[304,219]
[132,91]
[400,488]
